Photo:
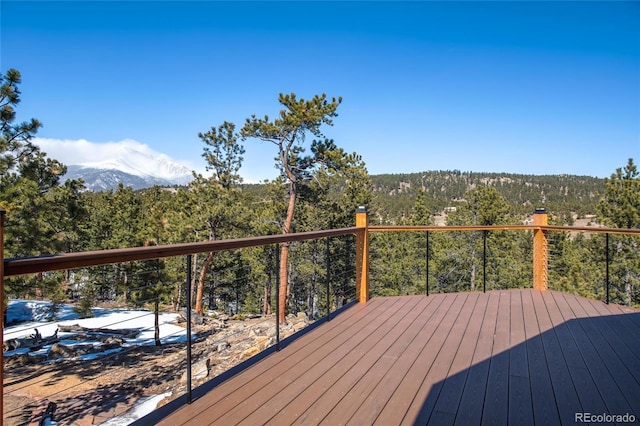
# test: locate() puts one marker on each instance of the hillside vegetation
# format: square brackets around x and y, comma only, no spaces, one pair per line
[395,194]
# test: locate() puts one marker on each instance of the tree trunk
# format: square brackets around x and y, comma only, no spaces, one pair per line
[157,321]
[212,293]
[125,281]
[473,275]
[200,290]
[194,271]
[628,288]
[266,305]
[284,253]
[176,299]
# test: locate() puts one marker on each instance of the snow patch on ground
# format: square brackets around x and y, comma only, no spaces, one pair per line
[33,315]
[28,315]
[143,407]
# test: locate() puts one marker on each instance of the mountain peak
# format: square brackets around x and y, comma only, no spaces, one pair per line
[104,166]
[137,159]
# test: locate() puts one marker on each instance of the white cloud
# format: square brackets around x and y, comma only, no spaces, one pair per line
[82,151]
[130,156]
[127,155]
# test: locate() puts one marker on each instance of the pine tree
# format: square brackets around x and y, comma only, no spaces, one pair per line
[620,206]
[217,201]
[288,132]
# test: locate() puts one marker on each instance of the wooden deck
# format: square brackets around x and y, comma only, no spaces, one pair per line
[504,357]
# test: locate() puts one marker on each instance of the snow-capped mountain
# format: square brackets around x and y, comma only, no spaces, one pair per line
[139,160]
[96,179]
[105,166]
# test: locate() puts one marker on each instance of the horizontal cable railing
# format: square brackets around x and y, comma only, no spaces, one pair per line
[241,282]
[327,270]
[425,262]
[103,257]
[595,262]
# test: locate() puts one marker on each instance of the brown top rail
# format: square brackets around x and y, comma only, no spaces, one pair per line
[56,262]
[402,228]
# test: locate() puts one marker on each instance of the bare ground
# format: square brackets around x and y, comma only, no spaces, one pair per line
[90,392]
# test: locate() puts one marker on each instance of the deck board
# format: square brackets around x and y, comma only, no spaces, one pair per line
[520,405]
[472,398]
[496,395]
[334,365]
[588,394]
[603,377]
[518,356]
[564,389]
[603,339]
[403,397]
[453,387]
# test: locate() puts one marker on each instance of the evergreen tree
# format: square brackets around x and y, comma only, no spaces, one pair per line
[621,202]
[288,132]
[620,206]
[26,176]
[217,201]
[40,214]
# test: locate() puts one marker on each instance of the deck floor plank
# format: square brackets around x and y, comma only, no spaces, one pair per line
[621,364]
[337,382]
[363,395]
[608,388]
[590,398]
[369,412]
[622,324]
[472,399]
[564,389]
[403,397]
[432,394]
[520,405]
[495,410]
[545,410]
[292,403]
[453,387]
[605,330]
[510,356]
[333,364]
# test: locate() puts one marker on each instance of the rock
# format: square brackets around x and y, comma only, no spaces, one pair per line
[24,359]
[250,352]
[262,342]
[59,351]
[299,326]
[199,370]
[112,343]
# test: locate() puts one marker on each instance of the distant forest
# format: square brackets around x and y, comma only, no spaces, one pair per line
[564,196]
[557,193]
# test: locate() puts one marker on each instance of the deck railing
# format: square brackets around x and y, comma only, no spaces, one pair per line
[334,287]
[546,249]
[560,260]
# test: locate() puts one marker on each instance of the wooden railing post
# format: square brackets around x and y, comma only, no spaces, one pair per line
[540,251]
[362,255]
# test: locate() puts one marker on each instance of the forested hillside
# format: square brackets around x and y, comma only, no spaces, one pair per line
[395,194]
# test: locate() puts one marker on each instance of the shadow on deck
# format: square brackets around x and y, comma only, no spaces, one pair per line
[516,356]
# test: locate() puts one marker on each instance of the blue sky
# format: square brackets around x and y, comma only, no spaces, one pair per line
[520,87]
